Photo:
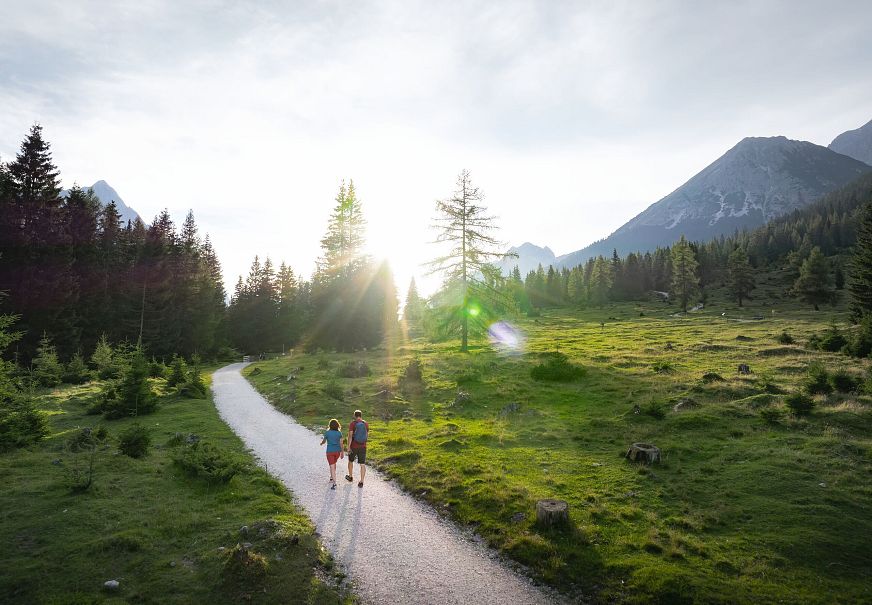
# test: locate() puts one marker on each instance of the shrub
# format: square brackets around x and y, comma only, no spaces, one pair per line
[195,388]
[331,389]
[76,371]
[353,369]
[832,340]
[20,423]
[47,369]
[861,343]
[243,569]
[844,382]
[204,460]
[663,367]
[654,409]
[413,371]
[157,369]
[771,415]
[785,338]
[133,396]
[178,372]
[799,403]
[817,380]
[104,360]
[134,441]
[556,368]
[83,444]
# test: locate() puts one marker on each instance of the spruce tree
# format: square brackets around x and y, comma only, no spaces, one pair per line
[741,275]
[685,282]
[815,282]
[414,305]
[860,278]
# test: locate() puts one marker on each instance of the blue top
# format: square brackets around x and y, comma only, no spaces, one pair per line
[334,441]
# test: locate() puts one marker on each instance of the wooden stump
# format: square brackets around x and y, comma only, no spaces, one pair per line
[552,513]
[644,452]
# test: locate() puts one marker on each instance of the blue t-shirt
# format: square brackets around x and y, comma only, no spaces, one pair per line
[334,441]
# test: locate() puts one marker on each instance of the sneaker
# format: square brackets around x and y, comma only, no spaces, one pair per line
[332,486]
[349,478]
[360,484]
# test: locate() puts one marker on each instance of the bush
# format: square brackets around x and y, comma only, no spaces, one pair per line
[412,379]
[799,403]
[204,460]
[157,369]
[832,340]
[860,344]
[785,338]
[556,368]
[20,423]
[353,369]
[105,360]
[331,389]
[817,381]
[195,388]
[655,410]
[134,441]
[844,382]
[178,372]
[76,371]
[133,395]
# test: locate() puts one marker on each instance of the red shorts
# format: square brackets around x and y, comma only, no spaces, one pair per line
[332,457]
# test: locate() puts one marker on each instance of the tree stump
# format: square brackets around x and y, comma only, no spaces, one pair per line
[552,513]
[644,452]
[744,368]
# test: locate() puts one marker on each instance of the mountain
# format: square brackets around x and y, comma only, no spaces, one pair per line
[856,144]
[757,180]
[529,258]
[105,193]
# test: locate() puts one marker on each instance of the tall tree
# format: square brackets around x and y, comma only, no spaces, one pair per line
[414,305]
[741,275]
[684,279]
[815,282]
[464,225]
[860,283]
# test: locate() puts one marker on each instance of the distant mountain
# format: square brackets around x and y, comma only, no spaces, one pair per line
[755,181]
[855,143]
[105,193]
[529,258]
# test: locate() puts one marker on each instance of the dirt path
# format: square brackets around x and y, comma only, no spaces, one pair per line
[395,549]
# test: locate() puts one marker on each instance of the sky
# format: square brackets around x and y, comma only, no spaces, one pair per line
[572,117]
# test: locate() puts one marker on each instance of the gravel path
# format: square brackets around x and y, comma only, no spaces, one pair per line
[394,549]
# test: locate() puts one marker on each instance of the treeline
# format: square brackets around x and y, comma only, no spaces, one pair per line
[72,272]
[350,303]
[813,243]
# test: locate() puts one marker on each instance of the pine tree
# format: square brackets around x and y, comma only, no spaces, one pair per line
[47,369]
[684,280]
[464,225]
[815,282]
[741,275]
[600,282]
[414,305]
[860,282]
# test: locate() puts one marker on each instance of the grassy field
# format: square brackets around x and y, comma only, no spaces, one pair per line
[750,503]
[166,536]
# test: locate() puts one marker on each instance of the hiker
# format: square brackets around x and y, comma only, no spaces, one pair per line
[333,439]
[359,431]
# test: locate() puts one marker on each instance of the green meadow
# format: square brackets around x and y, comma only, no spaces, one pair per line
[749,504]
[165,535]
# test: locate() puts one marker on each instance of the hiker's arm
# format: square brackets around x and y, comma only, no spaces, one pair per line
[323,440]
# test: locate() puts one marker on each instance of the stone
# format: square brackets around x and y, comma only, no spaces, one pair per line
[643,452]
[511,408]
[172,563]
[247,545]
[56,461]
[243,530]
[518,517]
[552,513]
[685,404]
[462,397]
[744,368]
[111,584]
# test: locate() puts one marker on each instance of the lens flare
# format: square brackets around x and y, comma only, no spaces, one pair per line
[473,310]
[505,337]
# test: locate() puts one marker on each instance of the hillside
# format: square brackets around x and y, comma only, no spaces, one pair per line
[754,182]
[855,143]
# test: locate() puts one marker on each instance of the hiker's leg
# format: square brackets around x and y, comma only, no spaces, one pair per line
[362,472]
[350,467]
[333,473]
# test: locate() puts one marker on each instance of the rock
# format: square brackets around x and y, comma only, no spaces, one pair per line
[685,404]
[243,530]
[56,461]
[111,584]
[172,563]
[518,517]
[552,513]
[822,484]
[510,409]
[247,545]
[222,548]
[744,368]
[644,452]
[462,397]
[596,463]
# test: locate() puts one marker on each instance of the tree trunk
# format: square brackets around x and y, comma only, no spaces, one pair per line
[644,452]
[552,513]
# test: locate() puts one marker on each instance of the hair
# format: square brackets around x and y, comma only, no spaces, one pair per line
[358,414]
[334,424]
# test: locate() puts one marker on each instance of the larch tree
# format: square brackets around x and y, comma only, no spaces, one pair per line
[464,225]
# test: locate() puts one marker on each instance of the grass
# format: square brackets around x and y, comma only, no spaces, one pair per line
[748,505]
[165,536]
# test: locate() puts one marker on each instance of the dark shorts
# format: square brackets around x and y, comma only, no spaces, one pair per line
[357,455]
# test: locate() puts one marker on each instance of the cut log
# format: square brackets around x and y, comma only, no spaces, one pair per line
[644,452]
[552,513]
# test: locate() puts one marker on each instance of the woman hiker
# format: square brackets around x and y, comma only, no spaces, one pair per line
[359,431]
[333,439]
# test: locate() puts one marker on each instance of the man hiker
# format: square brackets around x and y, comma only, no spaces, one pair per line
[359,431]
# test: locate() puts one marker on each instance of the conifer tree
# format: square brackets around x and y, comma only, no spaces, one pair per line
[741,275]
[860,282]
[815,282]
[463,224]
[414,305]
[600,282]
[684,280]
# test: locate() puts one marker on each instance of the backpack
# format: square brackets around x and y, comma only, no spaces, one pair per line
[360,432]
